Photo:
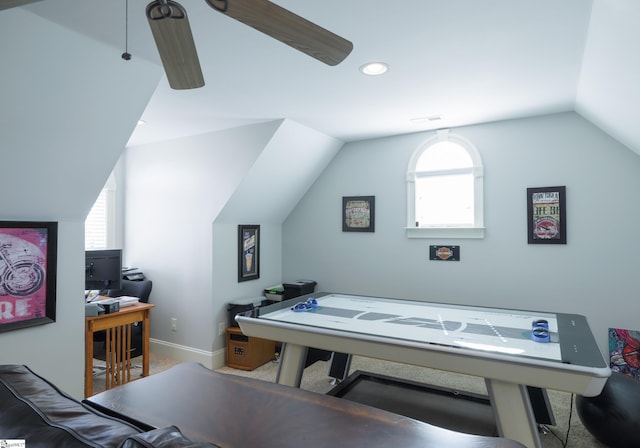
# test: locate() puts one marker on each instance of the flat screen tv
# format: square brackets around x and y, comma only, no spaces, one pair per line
[103,269]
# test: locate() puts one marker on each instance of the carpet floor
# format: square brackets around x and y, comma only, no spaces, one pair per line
[315,379]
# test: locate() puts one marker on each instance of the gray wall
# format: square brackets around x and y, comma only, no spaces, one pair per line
[172,197]
[70,103]
[595,274]
[184,201]
[67,108]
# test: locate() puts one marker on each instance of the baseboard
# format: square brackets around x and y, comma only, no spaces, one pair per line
[183,353]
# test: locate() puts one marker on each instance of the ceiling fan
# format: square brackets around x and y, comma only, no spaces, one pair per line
[172,34]
[6,4]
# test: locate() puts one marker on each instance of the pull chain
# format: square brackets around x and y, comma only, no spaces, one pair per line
[126,55]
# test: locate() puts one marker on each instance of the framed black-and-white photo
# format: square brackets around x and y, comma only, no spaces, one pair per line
[248,252]
[28,263]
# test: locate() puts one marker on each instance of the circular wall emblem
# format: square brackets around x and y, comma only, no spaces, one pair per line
[546,228]
[444,253]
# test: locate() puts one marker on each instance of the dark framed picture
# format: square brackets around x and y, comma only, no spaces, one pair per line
[358,213]
[28,263]
[248,252]
[444,253]
[547,223]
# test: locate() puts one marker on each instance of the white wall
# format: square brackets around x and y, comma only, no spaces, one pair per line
[174,191]
[594,274]
[68,106]
[607,92]
[56,350]
[286,168]
[225,267]
[184,201]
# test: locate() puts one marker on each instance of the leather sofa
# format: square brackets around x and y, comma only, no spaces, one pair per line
[34,410]
[222,410]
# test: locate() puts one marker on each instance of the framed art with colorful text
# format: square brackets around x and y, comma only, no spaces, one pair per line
[624,351]
[358,213]
[28,262]
[248,252]
[547,223]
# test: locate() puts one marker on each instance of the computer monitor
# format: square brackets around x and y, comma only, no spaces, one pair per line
[103,269]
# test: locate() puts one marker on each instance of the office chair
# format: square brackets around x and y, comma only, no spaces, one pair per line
[140,289]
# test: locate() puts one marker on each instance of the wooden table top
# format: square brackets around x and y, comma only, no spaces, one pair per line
[239,412]
[140,306]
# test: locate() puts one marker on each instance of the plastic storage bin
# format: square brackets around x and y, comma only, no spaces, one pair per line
[274,293]
[298,288]
[245,307]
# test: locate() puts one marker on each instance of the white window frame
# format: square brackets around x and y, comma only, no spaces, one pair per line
[474,231]
[109,192]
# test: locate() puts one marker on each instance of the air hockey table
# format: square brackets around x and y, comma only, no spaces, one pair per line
[492,343]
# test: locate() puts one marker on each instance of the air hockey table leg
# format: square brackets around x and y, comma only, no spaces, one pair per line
[291,364]
[513,412]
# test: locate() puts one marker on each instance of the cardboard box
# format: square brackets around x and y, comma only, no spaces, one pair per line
[247,353]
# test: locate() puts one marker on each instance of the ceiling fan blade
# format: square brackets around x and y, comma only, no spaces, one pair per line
[172,33]
[287,27]
[6,4]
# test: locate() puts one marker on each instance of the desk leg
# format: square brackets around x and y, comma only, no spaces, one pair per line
[146,330]
[292,358]
[513,413]
[88,362]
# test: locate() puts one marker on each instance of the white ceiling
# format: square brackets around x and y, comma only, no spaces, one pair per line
[468,61]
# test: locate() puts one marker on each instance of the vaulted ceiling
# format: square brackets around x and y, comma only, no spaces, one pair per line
[452,63]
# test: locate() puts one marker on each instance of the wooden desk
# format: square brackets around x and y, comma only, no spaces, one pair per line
[236,412]
[118,344]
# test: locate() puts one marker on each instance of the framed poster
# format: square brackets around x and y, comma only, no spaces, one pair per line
[547,223]
[624,355]
[248,252]
[358,213]
[28,261]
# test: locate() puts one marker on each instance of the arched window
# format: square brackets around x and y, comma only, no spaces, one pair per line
[445,189]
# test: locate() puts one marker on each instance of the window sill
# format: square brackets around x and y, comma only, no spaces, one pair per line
[445,232]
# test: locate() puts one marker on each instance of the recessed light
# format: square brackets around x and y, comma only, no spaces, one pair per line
[374,68]
[141,122]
